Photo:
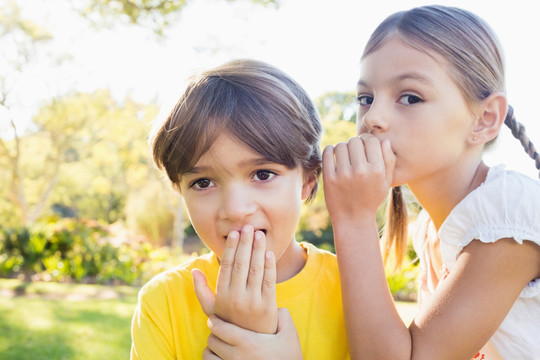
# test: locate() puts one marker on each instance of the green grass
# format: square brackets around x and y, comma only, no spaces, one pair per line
[58,325]
[54,321]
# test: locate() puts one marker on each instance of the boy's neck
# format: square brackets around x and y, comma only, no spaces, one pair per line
[291,262]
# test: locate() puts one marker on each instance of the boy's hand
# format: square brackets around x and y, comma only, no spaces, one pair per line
[228,341]
[246,286]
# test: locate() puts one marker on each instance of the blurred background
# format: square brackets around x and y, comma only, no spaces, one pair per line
[85,219]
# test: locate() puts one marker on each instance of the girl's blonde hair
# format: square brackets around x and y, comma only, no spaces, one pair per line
[250,100]
[476,64]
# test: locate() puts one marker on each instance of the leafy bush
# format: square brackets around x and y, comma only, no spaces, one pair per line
[81,251]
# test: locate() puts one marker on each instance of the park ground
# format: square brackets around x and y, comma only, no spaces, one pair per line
[57,321]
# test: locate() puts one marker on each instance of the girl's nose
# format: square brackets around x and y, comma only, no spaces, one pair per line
[373,121]
[237,203]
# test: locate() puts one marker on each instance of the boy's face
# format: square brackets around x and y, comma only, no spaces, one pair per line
[232,186]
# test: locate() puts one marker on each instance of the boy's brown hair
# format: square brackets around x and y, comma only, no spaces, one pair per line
[250,100]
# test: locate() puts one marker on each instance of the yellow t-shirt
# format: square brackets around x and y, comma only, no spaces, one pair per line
[169,322]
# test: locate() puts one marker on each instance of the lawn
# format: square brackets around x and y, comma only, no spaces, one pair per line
[52,321]
[59,321]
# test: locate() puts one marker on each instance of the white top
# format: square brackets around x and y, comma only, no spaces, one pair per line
[506,205]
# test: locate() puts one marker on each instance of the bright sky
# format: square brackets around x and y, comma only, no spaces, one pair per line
[317,42]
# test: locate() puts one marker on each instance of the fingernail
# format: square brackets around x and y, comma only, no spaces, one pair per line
[210,324]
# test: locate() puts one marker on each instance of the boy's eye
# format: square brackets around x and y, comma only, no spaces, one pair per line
[201,184]
[410,99]
[364,100]
[264,175]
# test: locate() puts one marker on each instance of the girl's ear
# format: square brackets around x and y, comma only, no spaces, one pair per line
[492,112]
[309,182]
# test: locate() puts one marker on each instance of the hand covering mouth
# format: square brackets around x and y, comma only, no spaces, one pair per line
[263,230]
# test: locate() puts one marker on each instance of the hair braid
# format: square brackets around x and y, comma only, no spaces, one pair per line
[395,231]
[518,131]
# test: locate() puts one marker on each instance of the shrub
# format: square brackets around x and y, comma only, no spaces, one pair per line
[81,251]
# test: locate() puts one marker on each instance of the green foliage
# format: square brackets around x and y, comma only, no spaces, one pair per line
[105,174]
[66,249]
[155,14]
[150,212]
[403,284]
[337,106]
[89,153]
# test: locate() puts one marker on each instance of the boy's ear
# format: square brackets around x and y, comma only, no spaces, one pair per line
[309,182]
[492,112]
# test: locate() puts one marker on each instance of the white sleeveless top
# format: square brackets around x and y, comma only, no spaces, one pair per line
[506,205]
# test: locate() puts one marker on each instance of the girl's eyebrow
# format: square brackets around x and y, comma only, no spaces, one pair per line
[402,77]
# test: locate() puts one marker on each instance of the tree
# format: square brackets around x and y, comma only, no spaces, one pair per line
[20,39]
[155,14]
[108,158]
[337,111]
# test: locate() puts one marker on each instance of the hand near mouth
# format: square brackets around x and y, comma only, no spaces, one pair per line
[246,284]
[357,176]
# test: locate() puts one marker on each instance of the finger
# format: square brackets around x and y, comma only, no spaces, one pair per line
[204,294]
[269,280]
[343,162]
[357,152]
[219,348]
[389,160]
[227,332]
[227,261]
[209,355]
[285,321]
[242,260]
[287,332]
[257,264]
[286,327]
[329,164]
[373,150]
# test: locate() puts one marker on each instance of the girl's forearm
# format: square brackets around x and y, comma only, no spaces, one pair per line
[374,327]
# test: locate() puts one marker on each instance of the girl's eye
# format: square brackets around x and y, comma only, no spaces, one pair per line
[410,99]
[201,184]
[264,175]
[364,100]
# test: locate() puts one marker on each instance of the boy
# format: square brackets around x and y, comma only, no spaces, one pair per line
[242,148]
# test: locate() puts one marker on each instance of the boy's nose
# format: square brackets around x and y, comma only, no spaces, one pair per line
[236,204]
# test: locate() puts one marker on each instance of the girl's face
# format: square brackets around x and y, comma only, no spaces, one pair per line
[408,96]
[232,186]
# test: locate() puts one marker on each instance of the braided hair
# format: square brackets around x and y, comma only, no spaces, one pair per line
[518,131]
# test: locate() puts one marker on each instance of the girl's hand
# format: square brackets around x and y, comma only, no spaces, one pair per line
[246,285]
[228,341]
[357,176]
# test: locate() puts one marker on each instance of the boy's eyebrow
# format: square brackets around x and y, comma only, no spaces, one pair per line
[258,161]
[406,76]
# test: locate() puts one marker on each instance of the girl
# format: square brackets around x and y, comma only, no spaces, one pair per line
[431,99]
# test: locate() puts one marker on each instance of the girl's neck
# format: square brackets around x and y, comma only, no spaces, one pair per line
[440,196]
